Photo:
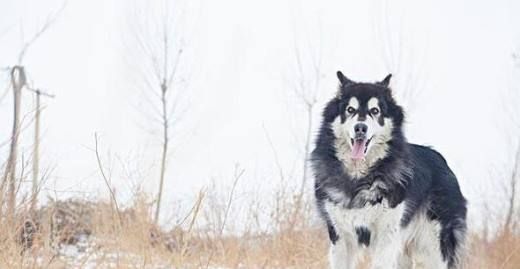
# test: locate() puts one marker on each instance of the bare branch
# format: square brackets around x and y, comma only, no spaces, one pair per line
[238,174]
[307,79]
[41,92]
[6,30]
[106,180]
[513,126]
[6,91]
[50,20]
[275,154]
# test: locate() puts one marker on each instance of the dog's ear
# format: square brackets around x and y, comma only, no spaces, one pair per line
[344,82]
[343,79]
[385,82]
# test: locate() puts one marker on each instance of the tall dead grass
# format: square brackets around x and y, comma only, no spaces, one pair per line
[500,251]
[93,234]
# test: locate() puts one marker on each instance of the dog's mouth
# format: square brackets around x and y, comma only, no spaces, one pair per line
[359,147]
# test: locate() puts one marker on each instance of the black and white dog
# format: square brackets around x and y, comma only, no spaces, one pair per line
[398,202]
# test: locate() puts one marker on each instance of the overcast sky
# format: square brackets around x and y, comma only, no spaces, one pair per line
[237,78]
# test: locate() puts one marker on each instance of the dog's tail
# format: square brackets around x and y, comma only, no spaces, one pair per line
[454,245]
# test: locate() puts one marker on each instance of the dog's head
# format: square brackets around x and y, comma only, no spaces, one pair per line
[363,117]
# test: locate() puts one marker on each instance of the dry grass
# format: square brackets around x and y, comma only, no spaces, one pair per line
[86,234]
[502,251]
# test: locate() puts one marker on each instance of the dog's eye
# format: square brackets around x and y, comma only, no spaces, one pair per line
[374,111]
[351,110]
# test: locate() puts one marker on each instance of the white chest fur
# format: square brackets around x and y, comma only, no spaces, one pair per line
[378,218]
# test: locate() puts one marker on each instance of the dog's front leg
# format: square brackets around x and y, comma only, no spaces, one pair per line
[387,258]
[386,251]
[342,254]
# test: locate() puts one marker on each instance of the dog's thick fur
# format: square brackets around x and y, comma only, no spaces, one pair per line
[400,202]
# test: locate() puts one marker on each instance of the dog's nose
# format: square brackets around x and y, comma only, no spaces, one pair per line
[360,129]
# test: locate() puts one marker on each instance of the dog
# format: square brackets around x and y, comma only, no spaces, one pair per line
[379,195]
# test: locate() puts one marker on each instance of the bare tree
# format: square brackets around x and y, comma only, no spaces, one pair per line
[161,43]
[513,176]
[511,220]
[404,59]
[306,89]
[305,81]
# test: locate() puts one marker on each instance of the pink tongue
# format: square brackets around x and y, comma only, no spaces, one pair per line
[358,149]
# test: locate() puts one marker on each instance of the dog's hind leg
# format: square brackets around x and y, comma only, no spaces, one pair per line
[426,246]
[440,245]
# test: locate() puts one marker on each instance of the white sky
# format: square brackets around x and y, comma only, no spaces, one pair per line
[240,57]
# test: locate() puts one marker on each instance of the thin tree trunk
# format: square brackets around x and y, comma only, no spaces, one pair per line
[299,197]
[510,222]
[308,143]
[36,154]
[164,151]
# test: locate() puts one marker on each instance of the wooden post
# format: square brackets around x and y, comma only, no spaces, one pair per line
[36,156]
[18,82]
[36,150]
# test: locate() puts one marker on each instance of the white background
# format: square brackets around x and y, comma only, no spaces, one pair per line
[241,68]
